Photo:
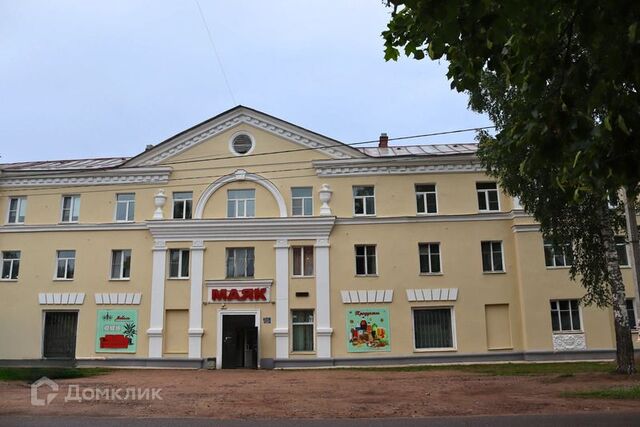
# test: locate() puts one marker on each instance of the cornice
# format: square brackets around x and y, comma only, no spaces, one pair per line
[497,216]
[242,229]
[398,166]
[114,226]
[208,130]
[157,175]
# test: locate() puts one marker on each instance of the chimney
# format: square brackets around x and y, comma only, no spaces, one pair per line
[384,141]
[148,147]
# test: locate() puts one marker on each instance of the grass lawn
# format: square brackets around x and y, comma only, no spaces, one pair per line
[32,374]
[568,369]
[611,393]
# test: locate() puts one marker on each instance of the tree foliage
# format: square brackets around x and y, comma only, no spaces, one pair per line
[560,80]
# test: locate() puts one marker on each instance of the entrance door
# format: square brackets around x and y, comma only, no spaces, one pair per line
[239,342]
[60,334]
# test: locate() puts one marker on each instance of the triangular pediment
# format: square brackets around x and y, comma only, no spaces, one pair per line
[238,116]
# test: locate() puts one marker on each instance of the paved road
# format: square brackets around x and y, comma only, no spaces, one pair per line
[564,420]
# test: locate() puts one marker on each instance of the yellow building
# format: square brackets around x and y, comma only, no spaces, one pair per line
[247,241]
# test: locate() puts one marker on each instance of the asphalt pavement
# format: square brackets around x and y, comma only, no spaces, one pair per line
[608,419]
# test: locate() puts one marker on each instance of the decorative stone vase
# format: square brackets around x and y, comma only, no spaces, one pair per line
[159,200]
[325,194]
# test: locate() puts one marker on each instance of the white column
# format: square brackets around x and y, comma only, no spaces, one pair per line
[157,299]
[195,305]
[281,331]
[323,299]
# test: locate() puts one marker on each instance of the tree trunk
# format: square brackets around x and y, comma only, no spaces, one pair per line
[624,344]
[630,197]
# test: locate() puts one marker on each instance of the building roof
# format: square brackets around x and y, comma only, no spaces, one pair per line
[431,150]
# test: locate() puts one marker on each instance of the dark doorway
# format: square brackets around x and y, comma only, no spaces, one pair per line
[60,334]
[239,342]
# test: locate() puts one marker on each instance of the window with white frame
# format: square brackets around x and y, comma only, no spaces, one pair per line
[17,209]
[70,208]
[631,312]
[240,262]
[302,330]
[125,207]
[487,196]
[302,260]
[241,203]
[182,202]
[120,264]
[10,265]
[65,264]
[429,258]
[621,248]
[565,316]
[559,255]
[366,260]
[433,328]
[302,201]
[492,257]
[426,198]
[364,200]
[178,263]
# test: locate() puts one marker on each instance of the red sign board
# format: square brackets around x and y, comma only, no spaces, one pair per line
[240,295]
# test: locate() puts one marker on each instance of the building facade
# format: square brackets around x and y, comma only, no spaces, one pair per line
[247,241]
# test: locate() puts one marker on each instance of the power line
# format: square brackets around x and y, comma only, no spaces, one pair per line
[215,51]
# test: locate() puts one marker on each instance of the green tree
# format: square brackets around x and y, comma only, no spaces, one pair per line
[560,79]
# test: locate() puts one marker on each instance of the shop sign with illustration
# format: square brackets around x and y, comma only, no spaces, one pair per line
[117,331]
[368,330]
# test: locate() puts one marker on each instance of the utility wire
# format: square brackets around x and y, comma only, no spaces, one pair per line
[215,52]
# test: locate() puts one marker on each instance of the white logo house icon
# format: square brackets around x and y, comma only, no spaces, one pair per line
[44,381]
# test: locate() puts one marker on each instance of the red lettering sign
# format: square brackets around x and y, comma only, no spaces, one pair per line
[243,294]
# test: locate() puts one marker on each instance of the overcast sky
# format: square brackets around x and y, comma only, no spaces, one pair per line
[105,78]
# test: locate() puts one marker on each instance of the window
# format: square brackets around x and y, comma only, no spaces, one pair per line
[302,201]
[302,325]
[182,202]
[364,200]
[303,260]
[125,207]
[487,196]
[366,260]
[621,248]
[558,255]
[241,144]
[10,265]
[70,208]
[432,328]
[241,203]
[429,258]
[121,264]
[492,257]
[426,198]
[17,208]
[240,262]
[179,263]
[631,312]
[65,264]
[565,316]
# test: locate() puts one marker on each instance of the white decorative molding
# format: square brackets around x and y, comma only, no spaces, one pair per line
[115,226]
[240,175]
[323,298]
[569,342]
[498,216]
[412,165]
[127,298]
[438,294]
[236,117]
[294,228]
[526,228]
[72,178]
[367,296]
[281,330]
[70,298]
